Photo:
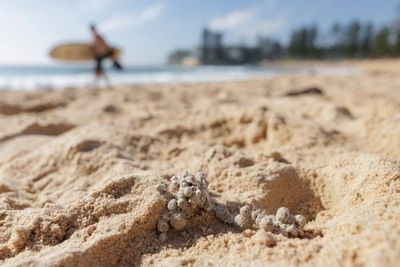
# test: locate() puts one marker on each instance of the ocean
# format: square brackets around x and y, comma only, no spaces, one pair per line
[65,76]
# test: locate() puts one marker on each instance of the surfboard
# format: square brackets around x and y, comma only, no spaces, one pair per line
[75,52]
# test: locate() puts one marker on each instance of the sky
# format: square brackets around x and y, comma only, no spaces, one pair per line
[147,30]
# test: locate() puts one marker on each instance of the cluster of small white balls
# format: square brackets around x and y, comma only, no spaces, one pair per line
[282,223]
[187,195]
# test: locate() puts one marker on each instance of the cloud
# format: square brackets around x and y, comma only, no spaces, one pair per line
[124,21]
[250,21]
[94,5]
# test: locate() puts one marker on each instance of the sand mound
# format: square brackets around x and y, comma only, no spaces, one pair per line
[84,174]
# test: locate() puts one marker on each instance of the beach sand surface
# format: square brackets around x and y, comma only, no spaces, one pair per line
[80,171]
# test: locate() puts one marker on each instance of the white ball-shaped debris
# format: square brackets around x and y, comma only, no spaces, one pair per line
[190,179]
[255,214]
[283,215]
[162,226]
[300,220]
[200,176]
[258,219]
[161,188]
[291,230]
[222,213]
[182,203]
[187,191]
[172,204]
[198,193]
[243,221]
[267,223]
[178,221]
[188,195]
[174,186]
[246,211]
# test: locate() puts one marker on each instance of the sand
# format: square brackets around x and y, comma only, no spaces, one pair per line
[80,171]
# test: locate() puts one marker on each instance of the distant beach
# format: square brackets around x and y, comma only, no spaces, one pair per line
[56,76]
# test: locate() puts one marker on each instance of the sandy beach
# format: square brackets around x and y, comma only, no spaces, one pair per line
[85,174]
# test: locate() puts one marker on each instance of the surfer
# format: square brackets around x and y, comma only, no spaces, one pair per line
[102,51]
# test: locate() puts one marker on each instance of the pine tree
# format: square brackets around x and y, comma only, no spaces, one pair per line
[366,40]
[352,39]
[381,44]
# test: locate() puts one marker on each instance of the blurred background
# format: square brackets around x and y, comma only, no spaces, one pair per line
[191,40]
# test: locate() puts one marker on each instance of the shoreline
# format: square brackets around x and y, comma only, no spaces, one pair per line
[36,78]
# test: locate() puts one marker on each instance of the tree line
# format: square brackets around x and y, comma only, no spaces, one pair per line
[354,40]
[350,40]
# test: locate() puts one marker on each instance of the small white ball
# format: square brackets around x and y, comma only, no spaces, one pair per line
[258,219]
[187,191]
[162,226]
[161,188]
[300,220]
[182,203]
[291,230]
[267,223]
[172,204]
[283,215]
[174,186]
[242,221]
[246,211]
[178,221]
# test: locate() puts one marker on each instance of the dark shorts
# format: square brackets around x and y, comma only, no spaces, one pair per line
[100,58]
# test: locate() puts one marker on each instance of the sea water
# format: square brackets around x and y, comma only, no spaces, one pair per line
[63,76]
